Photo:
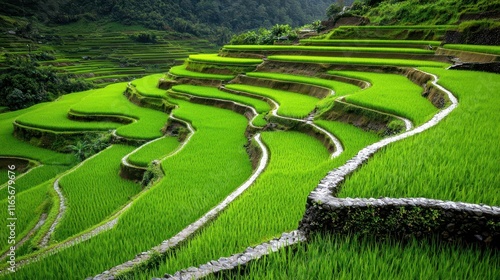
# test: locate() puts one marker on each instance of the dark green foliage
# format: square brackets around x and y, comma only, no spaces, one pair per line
[279,32]
[216,19]
[89,145]
[333,10]
[24,83]
[144,37]
[152,175]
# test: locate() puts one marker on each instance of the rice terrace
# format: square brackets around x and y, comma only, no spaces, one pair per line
[201,139]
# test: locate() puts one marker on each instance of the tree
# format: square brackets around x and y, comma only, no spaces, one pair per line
[333,10]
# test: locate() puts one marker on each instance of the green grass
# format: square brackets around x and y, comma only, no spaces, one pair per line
[326,49]
[391,93]
[11,146]
[274,204]
[361,42]
[340,88]
[147,86]
[35,177]
[181,71]
[53,116]
[94,191]
[215,58]
[153,151]
[358,61]
[204,91]
[196,180]
[475,48]
[29,205]
[346,257]
[453,161]
[3,176]
[260,120]
[291,104]
[111,101]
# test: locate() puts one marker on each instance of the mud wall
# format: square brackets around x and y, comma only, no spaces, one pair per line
[465,56]
[366,119]
[307,89]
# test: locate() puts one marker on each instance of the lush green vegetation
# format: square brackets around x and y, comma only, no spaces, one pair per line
[297,163]
[94,191]
[474,48]
[358,61]
[30,204]
[215,150]
[340,88]
[412,12]
[24,83]
[54,116]
[147,86]
[346,257]
[203,91]
[325,49]
[111,101]
[153,151]
[215,58]
[391,93]
[366,43]
[34,178]
[181,71]
[212,19]
[291,104]
[460,167]
[11,146]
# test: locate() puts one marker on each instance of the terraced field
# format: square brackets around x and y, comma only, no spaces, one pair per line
[245,160]
[106,56]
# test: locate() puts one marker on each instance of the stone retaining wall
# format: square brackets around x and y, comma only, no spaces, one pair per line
[237,261]
[404,218]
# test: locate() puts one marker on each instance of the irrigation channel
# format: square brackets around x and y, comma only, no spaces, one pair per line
[324,190]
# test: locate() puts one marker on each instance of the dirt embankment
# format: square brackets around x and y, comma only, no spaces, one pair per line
[306,89]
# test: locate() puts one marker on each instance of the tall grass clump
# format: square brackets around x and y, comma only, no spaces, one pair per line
[456,160]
